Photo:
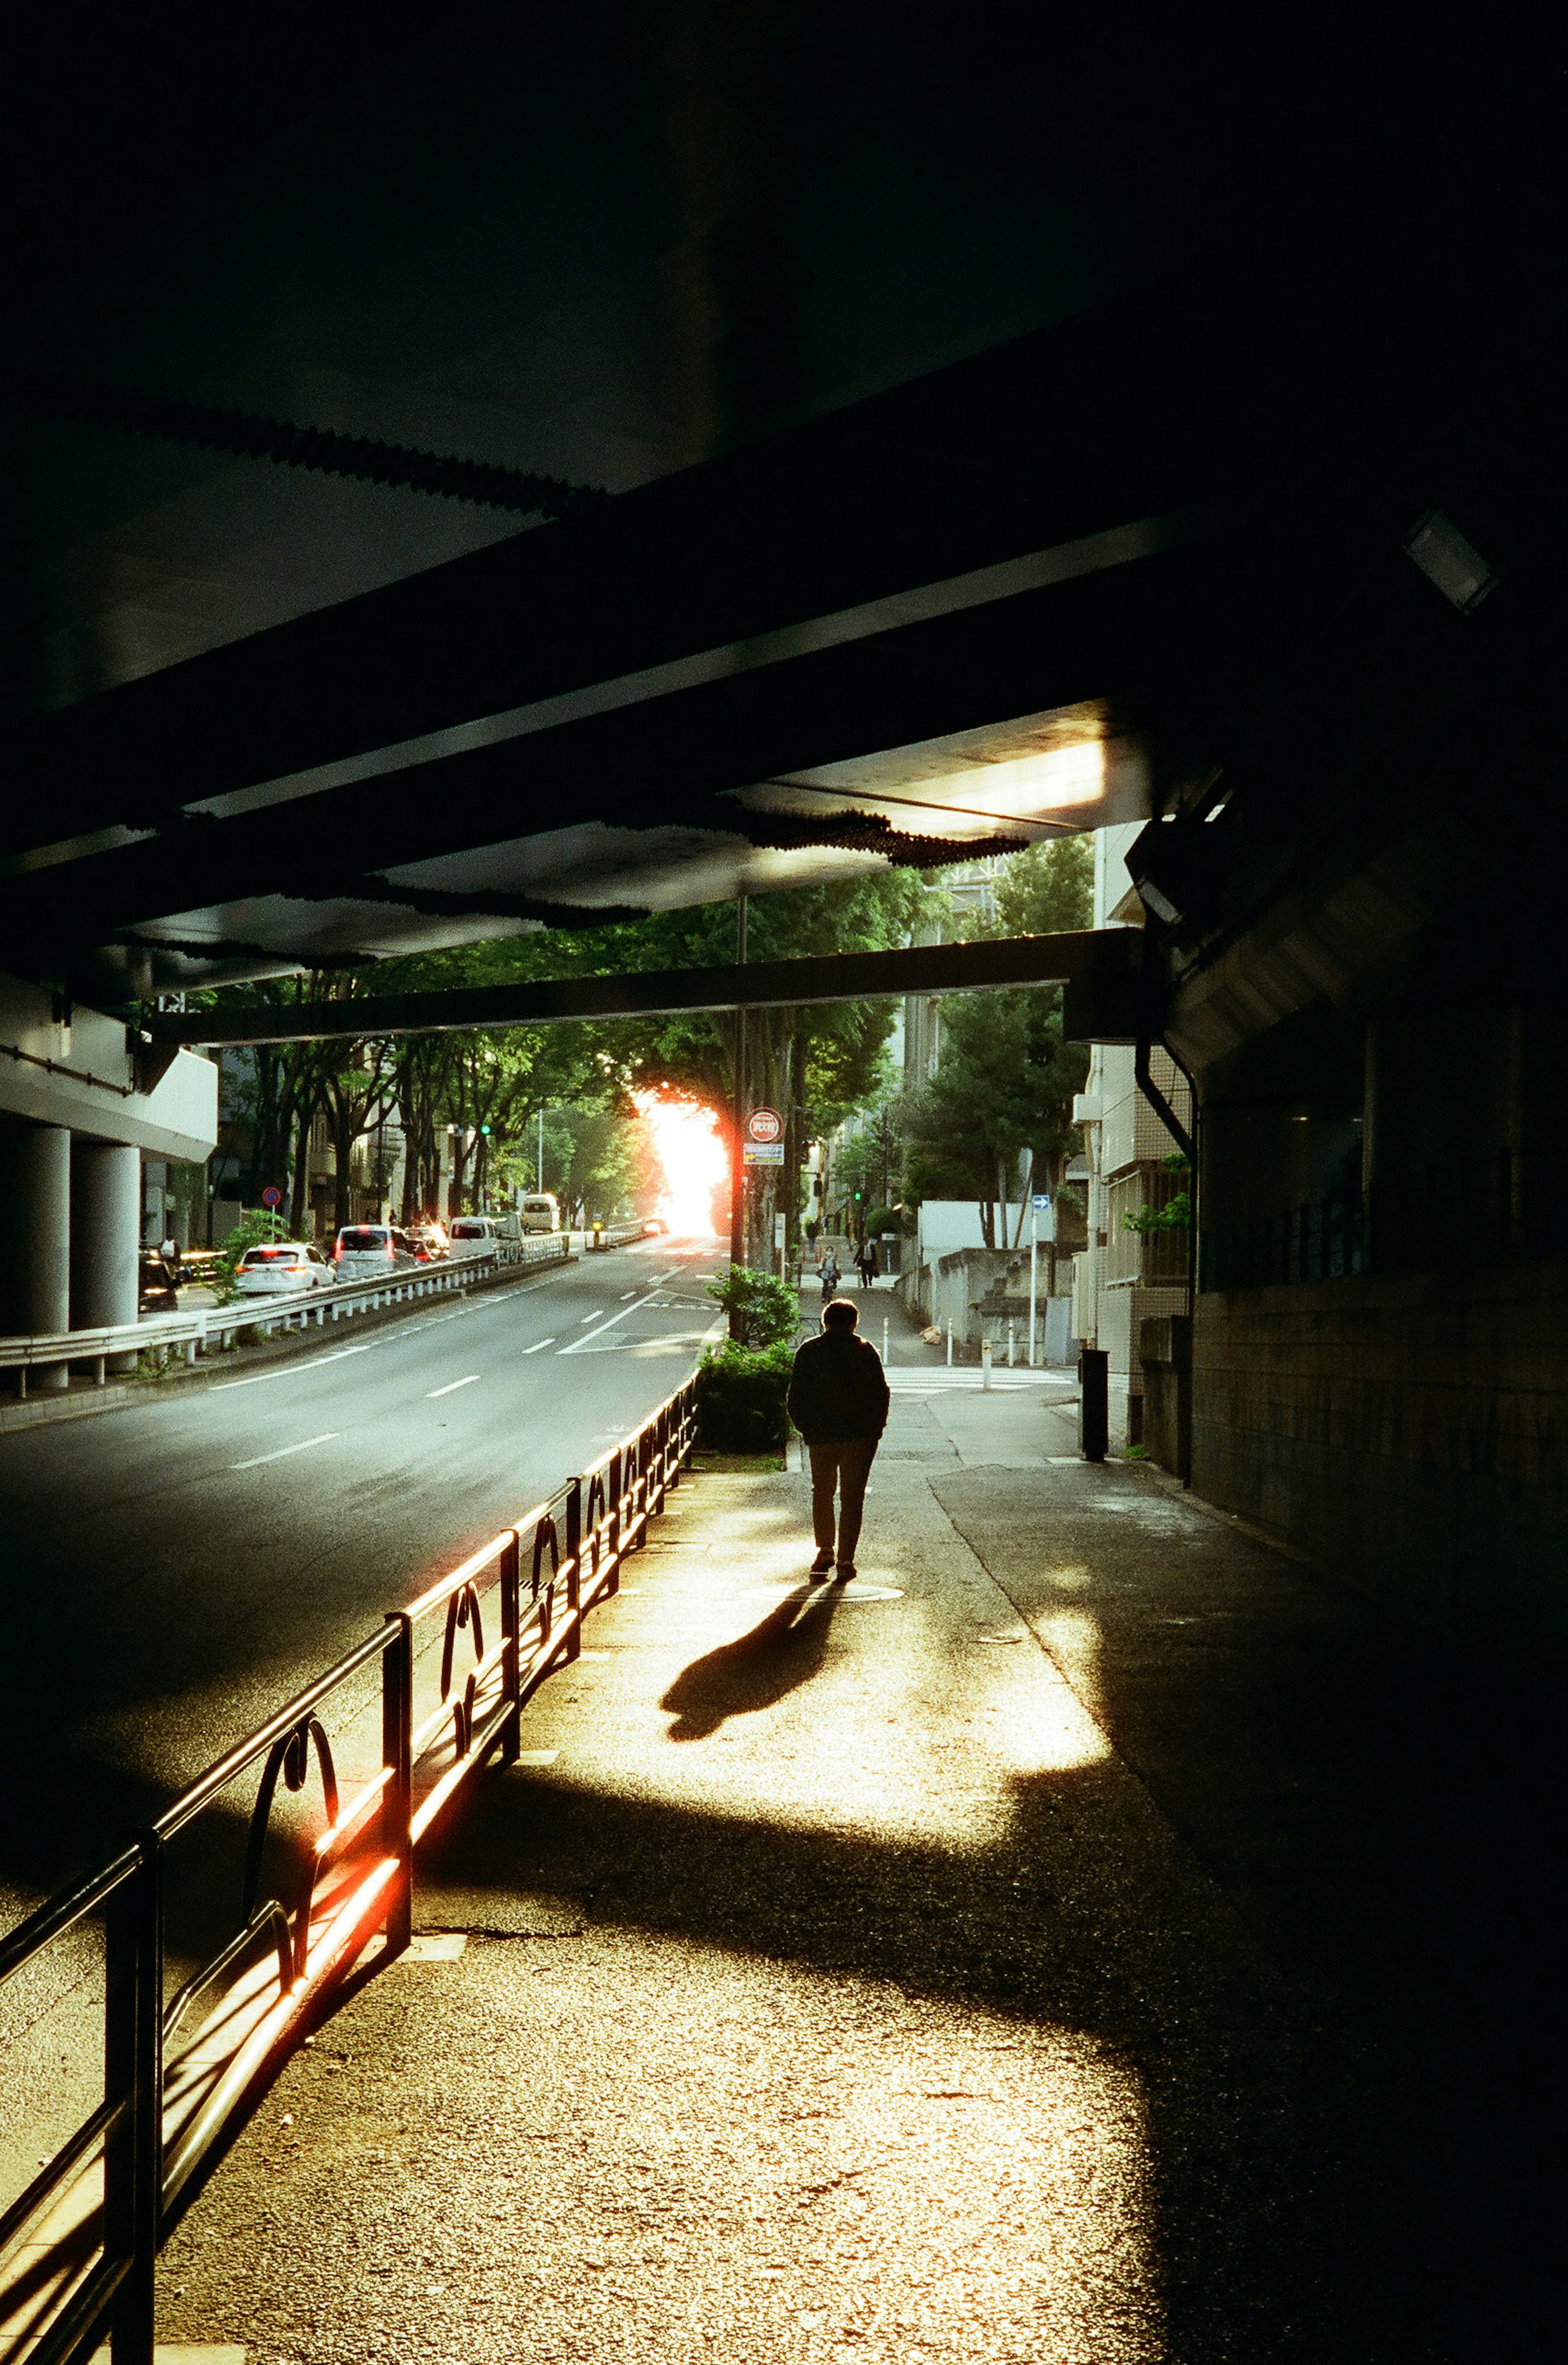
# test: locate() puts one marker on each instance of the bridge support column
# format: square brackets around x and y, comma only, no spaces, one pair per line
[105,1237]
[34,1224]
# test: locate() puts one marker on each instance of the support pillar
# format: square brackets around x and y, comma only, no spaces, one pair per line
[35,1223]
[105,1237]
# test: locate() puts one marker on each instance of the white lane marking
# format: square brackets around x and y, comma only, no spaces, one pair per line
[292,1370]
[613,1319]
[285,1451]
[626,1294]
[538,1345]
[594,1315]
[431,1394]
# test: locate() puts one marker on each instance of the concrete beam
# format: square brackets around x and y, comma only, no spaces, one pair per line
[831,977]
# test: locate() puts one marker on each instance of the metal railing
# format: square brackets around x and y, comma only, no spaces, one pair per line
[200,1333]
[424,1702]
[1469,1212]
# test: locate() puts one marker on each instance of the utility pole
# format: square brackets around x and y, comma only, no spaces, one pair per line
[737,1177]
[542,1151]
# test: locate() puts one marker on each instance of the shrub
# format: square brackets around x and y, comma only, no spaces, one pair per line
[252,1230]
[740,1397]
[762,1310]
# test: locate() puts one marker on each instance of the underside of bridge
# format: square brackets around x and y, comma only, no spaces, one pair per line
[853,454]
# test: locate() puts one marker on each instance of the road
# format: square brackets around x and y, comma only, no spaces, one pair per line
[173,1570]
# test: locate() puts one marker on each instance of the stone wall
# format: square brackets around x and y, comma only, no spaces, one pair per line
[1405,1430]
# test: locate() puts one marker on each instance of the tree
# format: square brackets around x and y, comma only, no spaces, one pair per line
[1005,1079]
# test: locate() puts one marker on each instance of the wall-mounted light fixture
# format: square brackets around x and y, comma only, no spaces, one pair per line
[1446,558]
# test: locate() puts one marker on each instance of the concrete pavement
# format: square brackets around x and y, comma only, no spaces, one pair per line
[1011,1959]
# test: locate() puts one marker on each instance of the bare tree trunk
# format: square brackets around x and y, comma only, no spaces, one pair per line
[299,1200]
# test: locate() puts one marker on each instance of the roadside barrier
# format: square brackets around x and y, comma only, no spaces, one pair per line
[196,1334]
[425,1703]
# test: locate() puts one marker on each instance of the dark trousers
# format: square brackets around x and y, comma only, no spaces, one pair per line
[846,1467]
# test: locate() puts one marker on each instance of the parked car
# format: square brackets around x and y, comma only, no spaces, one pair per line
[157,1284]
[367,1251]
[539,1212]
[276,1268]
[428,1241]
[652,1226]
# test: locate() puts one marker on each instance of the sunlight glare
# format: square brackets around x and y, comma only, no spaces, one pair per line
[693,1156]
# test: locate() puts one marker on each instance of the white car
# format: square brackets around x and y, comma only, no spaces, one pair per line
[476,1235]
[278,1268]
[539,1212]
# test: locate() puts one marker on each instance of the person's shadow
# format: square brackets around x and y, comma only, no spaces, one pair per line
[756,1669]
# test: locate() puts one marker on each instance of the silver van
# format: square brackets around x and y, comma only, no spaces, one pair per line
[539,1212]
[474,1235]
[369,1251]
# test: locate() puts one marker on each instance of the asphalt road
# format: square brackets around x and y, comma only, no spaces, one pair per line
[171,1572]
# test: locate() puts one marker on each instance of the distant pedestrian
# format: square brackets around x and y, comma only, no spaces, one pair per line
[866,1264]
[838,1401]
[828,1274]
[812,1229]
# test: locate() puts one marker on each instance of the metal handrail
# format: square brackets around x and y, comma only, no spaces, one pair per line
[158,2124]
[198,1331]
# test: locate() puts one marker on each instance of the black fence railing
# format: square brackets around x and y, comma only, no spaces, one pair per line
[311,1875]
[1466,1214]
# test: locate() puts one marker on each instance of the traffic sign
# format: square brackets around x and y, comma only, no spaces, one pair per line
[765,1125]
[271,1196]
[762,1153]
[1042,1201]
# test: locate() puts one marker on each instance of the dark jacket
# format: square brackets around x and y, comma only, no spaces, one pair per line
[837,1389]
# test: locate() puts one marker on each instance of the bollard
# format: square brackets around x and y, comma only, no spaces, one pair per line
[949,1343]
[985,1363]
[1010,1346]
[884,1338]
[1094,1403]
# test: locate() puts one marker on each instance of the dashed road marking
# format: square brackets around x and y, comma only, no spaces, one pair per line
[285,1451]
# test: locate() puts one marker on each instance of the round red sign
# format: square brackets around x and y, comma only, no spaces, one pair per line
[763,1124]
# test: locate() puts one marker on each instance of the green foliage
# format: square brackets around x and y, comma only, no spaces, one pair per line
[763,1311]
[890,1219]
[1174,1216]
[1005,1083]
[1047,889]
[742,1397]
[249,1232]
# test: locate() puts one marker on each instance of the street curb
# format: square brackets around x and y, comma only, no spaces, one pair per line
[82,1402]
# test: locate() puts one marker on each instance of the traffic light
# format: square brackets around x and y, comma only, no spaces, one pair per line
[484,1128]
[858,1196]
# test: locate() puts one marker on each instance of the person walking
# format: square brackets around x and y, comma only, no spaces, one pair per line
[865,1265]
[838,1401]
[827,1274]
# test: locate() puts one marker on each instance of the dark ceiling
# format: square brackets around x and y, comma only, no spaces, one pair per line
[963,402]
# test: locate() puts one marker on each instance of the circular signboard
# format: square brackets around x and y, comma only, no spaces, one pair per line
[271,1196]
[763,1124]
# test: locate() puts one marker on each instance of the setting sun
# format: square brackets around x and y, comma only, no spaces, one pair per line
[692,1154]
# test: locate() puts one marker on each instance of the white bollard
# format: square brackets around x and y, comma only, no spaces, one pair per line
[1010,1346]
[884,1338]
[985,1363]
[949,1343]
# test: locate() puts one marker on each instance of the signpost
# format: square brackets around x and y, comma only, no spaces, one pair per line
[1039,1206]
[271,1199]
[765,1125]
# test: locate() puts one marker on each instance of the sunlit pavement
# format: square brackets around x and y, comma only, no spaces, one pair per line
[1053,1949]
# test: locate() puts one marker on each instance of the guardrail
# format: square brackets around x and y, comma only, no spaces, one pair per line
[163,1334]
[311,1892]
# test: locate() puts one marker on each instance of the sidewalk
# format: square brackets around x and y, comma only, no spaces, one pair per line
[1091,1937]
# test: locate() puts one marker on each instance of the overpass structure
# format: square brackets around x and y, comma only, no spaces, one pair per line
[696,500]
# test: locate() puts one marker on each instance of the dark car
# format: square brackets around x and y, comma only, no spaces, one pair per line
[157,1284]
